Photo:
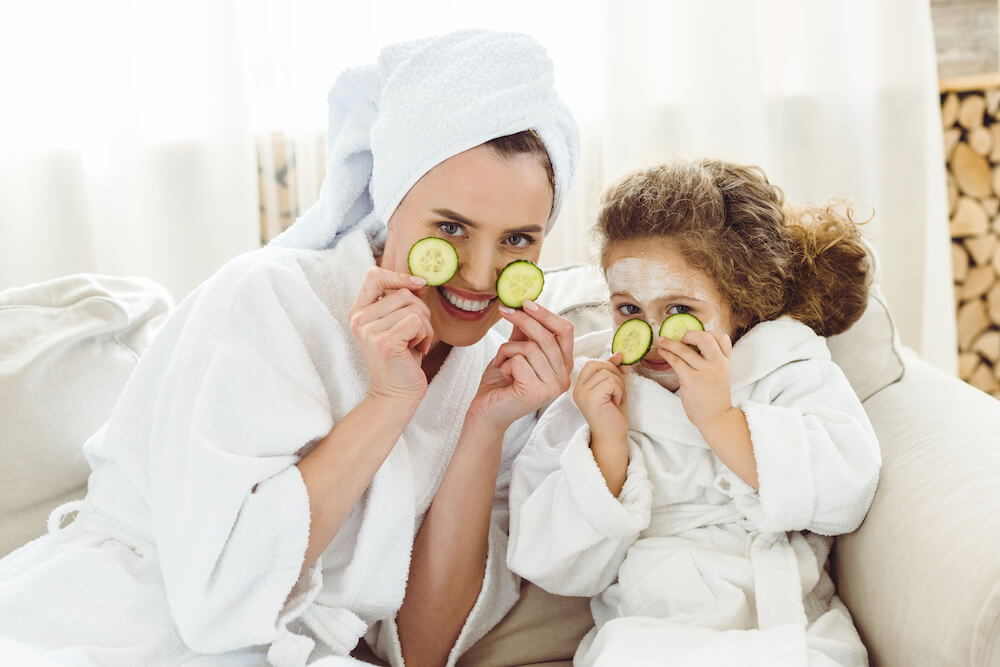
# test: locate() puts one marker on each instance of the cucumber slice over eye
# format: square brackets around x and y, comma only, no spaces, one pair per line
[678,324]
[633,339]
[518,281]
[433,259]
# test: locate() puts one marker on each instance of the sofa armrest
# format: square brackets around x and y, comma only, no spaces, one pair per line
[921,576]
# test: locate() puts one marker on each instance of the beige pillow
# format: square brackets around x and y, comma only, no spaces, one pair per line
[921,575]
[66,348]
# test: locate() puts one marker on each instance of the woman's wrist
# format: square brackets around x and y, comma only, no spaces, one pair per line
[398,410]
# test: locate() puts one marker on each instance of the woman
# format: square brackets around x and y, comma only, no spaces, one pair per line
[311,414]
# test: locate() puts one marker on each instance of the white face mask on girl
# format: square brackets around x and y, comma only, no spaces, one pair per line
[651,280]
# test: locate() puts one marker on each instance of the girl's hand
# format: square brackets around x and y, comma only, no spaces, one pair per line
[530,369]
[393,327]
[600,396]
[704,374]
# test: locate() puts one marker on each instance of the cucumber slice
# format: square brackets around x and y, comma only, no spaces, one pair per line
[433,259]
[633,339]
[518,281]
[678,324]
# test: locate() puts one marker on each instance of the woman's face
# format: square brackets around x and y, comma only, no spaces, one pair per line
[651,280]
[494,210]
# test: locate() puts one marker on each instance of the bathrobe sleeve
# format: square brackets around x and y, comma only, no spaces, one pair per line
[500,588]
[236,399]
[568,534]
[817,454]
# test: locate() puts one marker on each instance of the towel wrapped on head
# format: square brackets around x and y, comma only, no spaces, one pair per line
[420,104]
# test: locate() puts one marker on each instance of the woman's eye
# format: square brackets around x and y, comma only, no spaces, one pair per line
[451,229]
[519,241]
[629,309]
[678,309]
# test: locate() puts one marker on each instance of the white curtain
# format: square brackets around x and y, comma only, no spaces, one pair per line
[129,134]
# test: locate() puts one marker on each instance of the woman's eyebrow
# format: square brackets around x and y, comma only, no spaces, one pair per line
[449,214]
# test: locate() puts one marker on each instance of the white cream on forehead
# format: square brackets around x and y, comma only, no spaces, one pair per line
[648,279]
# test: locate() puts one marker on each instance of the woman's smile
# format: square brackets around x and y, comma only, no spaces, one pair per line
[465,305]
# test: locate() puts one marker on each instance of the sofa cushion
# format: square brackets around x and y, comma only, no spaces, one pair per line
[66,348]
[921,575]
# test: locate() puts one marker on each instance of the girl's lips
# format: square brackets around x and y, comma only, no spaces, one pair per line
[656,364]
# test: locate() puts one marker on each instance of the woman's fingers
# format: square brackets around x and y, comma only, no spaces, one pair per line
[533,353]
[553,333]
[393,300]
[378,282]
[419,337]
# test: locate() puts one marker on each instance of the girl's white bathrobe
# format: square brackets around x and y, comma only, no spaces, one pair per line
[195,525]
[690,565]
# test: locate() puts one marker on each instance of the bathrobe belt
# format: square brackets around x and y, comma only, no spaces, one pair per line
[777,583]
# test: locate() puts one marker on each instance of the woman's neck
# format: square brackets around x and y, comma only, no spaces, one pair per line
[434,359]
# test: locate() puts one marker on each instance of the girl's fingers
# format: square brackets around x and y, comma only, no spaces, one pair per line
[707,344]
[378,281]
[725,342]
[680,350]
[616,359]
[542,326]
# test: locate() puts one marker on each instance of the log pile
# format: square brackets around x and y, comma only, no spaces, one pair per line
[970,114]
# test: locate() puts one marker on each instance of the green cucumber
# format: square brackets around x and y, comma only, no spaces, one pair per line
[633,339]
[433,259]
[678,324]
[519,281]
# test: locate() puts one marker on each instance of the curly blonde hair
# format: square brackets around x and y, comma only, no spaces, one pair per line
[767,258]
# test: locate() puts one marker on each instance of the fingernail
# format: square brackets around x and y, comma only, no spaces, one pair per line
[529,305]
[505,309]
[417,281]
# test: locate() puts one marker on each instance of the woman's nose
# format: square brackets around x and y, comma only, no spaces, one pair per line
[478,269]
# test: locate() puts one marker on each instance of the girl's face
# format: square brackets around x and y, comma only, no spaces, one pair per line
[494,210]
[650,279]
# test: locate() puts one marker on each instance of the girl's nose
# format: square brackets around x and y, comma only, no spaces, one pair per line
[478,269]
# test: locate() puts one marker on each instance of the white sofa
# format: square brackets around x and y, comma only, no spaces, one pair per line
[921,575]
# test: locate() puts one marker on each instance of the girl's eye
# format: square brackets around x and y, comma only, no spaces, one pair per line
[519,240]
[678,309]
[629,309]
[451,229]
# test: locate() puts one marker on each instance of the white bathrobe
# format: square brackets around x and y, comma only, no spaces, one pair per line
[195,525]
[689,565]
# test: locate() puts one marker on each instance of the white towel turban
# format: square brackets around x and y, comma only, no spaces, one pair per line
[420,104]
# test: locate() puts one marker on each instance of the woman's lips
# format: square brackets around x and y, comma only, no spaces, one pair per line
[459,313]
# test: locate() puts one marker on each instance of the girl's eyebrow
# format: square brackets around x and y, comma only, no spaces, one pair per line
[451,215]
[667,297]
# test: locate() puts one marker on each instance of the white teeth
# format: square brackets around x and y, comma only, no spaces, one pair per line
[466,304]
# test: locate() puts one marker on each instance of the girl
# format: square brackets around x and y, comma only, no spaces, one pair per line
[308,452]
[695,494]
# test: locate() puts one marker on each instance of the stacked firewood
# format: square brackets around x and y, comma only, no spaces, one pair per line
[971,124]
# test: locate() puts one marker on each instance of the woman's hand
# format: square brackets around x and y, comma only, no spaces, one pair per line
[704,374]
[600,396]
[530,369]
[393,328]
